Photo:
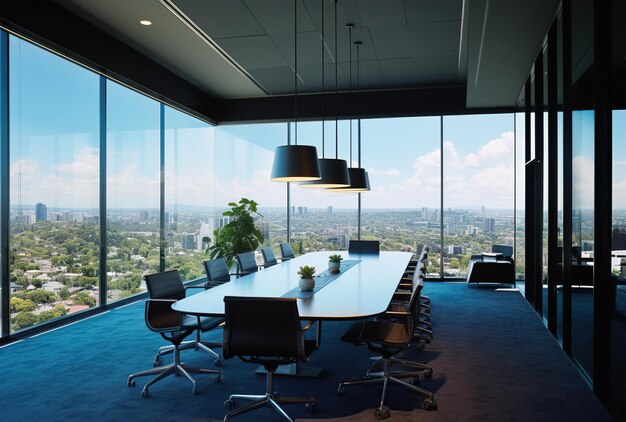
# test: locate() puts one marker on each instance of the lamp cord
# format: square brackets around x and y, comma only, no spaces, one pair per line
[358,87]
[295,71]
[350,60]
[323,83]
[336,91]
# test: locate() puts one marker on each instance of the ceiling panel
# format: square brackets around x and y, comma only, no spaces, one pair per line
[221,18]
[278,19]
[435,38]
[418,11]
[391,41]
[253,52]
[376,12]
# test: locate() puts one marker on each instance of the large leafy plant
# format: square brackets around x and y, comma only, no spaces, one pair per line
[240,234]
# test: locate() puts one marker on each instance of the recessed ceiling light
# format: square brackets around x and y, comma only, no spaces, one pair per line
[145,22]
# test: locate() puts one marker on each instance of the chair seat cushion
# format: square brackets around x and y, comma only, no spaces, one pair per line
[206,323]
[385,332]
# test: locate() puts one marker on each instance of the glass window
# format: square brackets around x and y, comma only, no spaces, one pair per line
[189,187]
[520,200]
[54,169]
[243,163]
[133,190]
[477,188]
[403,209]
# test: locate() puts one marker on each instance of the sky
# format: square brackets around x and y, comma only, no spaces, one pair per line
[55,148]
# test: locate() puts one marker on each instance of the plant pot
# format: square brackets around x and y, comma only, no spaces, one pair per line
[333,267]
[306,284]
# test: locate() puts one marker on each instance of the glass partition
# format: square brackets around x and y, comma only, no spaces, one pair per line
[54,180]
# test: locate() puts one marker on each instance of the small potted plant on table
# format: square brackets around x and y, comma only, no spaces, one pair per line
[334,262]
[306,273]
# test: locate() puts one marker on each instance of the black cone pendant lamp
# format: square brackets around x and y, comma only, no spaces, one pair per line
[295,163]
[334,171]
[359,179]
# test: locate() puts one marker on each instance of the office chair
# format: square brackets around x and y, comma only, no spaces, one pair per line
[247,263]
[269,258]
[364,246]
[169,285]
[164,290]
[286,252]
[388,338]
[216,272]
[265,331]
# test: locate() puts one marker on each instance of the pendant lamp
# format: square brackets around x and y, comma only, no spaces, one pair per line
[295,163]
[359,179]
[334,171]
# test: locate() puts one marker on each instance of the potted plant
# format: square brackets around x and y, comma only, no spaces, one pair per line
[240,235]
[334,262]
[306,273]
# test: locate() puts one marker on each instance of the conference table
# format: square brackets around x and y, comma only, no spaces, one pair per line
[363,288]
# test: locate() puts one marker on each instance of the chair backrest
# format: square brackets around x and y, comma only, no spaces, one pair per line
[269,258]
[506,251]
[286,251]
[165,285]
[364,246]
[262,327]
[247,262]
[216,271]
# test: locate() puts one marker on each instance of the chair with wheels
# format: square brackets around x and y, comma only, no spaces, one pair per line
[265,331]
[165,289]
[169,285]
[364,246]
[216,272]
[286,252]
[388,338]
[246,263]
[269,259]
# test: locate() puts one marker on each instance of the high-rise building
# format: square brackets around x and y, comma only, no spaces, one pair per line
[489,225]
[329,210]
[482,210]
[208,229]
[188,241]
[619,239]
[41,212]
[425,213]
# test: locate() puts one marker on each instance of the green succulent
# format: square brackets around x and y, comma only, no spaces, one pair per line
[306,271]
[335,258]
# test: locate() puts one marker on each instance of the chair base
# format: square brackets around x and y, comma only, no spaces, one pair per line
[387,376]
[176,368]
[268,399]
[207,346]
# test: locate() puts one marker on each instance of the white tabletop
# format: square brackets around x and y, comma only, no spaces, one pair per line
[363,290]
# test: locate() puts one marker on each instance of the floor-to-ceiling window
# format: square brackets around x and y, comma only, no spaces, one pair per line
[54,179]
[133,189]
[520,198]
[241,169]
[478,198]
[189,185]
[403,209]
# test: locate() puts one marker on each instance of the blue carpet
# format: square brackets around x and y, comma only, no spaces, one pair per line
[493,360]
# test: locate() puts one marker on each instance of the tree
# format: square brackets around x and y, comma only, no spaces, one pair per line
[23,320]
[56,312]
[21,305]
[42,296]
[83,298]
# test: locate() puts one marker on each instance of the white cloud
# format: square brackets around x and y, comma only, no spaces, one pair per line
[382,172]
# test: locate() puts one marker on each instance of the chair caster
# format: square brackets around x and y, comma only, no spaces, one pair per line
[311,406]
[429,373]
[194,390]
[218,379]
[382,412]
[229,404]
[144,393]
[340,391]
[218,362]
[131,382]
[429,404]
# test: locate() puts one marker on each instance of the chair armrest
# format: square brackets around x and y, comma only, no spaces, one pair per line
[309,325]
[398,313]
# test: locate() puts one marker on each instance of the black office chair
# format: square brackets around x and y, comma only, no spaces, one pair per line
[389,338]
[269,259]
[364,246]
[169,285]
[265,331]
[216,272]
[164,290]
[247,263]
[286,252]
